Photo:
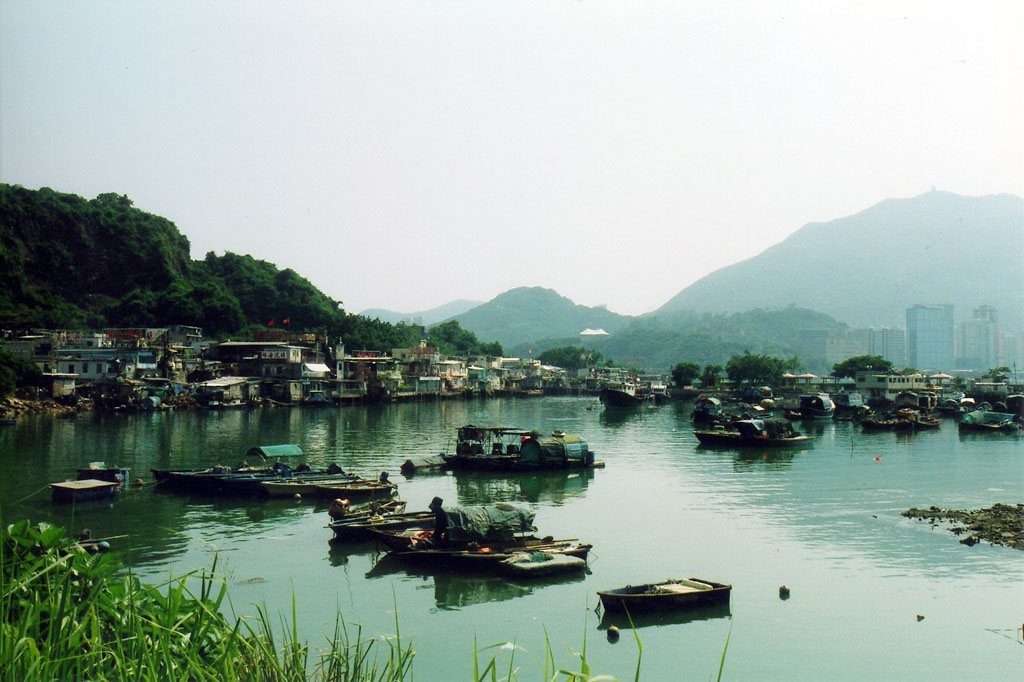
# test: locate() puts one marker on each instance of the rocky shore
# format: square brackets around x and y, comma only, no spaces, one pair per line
[1000,524]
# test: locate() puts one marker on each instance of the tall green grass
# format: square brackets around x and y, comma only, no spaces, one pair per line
[69,615]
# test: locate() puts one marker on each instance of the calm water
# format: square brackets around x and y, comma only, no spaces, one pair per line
[824,520]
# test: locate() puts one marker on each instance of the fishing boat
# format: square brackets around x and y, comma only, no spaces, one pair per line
[666,595]
[816,406]
[626,393]
[482,536]
[985,421]
[753,432]
[707,409]
[501,448]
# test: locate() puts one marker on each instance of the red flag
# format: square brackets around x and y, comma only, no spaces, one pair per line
[270,324]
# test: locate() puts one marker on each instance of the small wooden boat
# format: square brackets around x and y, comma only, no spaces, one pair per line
[486,558]
[666,595]
[361,529]
[357,489]
[79,491]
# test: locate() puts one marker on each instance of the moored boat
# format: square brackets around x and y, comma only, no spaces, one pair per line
[82,490]
[625,394]
[665,595]
[353,529]
[500,448]
[816,406]
[752,432]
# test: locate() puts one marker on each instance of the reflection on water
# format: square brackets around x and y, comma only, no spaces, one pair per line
[658,619]
[554,487]
[457,588]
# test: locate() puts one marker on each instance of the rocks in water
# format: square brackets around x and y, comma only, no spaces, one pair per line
[1000,524]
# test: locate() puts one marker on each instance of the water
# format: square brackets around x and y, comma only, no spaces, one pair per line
[824,520]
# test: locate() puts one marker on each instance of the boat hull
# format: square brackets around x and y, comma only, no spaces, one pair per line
[665,596]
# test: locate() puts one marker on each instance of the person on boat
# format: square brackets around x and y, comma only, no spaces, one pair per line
[338,509]
[440,536]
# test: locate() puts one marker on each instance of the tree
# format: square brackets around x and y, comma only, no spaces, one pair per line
[684,373]
[861,363]
[754,368]
[709,376]
[570,357]
[16,372]
[996,374]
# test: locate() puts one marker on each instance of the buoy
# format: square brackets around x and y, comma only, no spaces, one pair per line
[878,459]
[138,483]
[919,618]
[613,634]
[298,496]
[783,592]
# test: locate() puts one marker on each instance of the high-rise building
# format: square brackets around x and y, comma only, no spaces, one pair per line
[979,342]
[930,337]
[889,344]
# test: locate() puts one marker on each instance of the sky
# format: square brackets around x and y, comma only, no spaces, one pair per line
[401,155]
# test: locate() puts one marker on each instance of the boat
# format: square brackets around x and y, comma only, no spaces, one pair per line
[327,487]
[816,406]
[985,421]
[706,409]
[848,404]
[356,529]
[911,420]
[625,393]
[82,490]
[922,401]
[500,448]
[752,432]
[483,557]
[537,563]
[480,536]
[666,595]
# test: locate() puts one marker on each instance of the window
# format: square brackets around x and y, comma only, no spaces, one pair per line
[71,369]
[99,369]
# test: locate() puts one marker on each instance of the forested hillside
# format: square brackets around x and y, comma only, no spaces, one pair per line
[73,263]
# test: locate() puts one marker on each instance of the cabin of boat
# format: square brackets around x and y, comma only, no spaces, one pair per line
[706,408]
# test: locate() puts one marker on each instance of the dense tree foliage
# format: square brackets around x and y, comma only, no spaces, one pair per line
[710,374]
[758,369]
[14,372]
[570,357]
[451,339]
[860,363]
[684,373]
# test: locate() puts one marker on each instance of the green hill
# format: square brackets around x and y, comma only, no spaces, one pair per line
[69,262]
[528,313]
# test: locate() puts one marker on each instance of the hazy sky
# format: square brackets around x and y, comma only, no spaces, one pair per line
[404,154]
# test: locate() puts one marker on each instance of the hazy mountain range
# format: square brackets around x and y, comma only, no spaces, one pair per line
[868,268]
[864,270]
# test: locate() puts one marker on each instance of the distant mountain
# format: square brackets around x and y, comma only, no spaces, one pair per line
[424,317]
[868,268]
[526,314]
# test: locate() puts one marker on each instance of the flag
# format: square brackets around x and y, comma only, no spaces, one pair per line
[270,324]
